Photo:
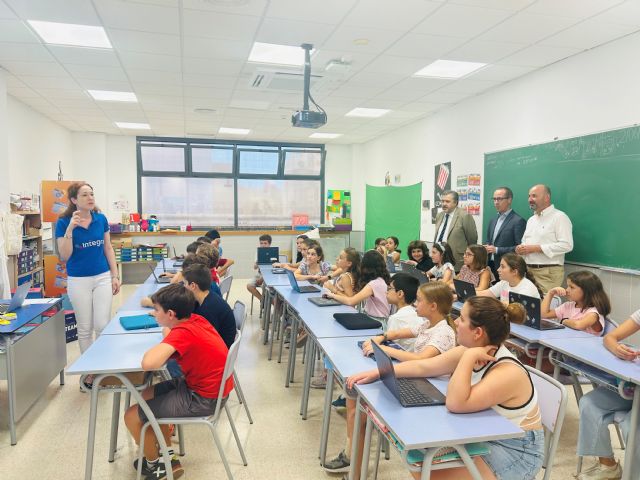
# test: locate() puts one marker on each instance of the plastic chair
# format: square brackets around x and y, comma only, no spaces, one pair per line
[210,421]
[225,287]
[240,314]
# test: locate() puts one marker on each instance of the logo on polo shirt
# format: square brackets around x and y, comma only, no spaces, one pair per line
[93,243]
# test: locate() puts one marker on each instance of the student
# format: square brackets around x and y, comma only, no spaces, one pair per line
[484,374]
[211,252]
[193,246]
[301,252]
[443,262]
[588,303]
[598,407]
[204,239]
[200,353]
[434,336]
[380,245]
[264,241]
[315,267]
[474,269]
[344,282]
[372,287]
[419,256]
[514,277]
[215,239]
[392,249]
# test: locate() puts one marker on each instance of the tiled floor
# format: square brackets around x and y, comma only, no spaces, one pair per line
[279,445]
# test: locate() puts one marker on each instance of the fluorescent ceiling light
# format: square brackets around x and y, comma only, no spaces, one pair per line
[278,54]
[110,96]
[448,69]
[325,135]
[234,131]
[133,126]
[367,112]
[71,34]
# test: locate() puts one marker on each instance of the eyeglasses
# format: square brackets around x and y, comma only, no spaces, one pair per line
[499,199]
[390,288]
[467,254]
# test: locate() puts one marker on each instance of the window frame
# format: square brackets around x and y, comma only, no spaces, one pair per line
[237,146]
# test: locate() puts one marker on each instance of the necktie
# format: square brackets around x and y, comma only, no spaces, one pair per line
[444,227]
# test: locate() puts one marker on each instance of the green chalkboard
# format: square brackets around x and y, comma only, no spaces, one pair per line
[595,179]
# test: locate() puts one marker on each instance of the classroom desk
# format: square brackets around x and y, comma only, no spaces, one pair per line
[410,426]
[592,352]
[115,328]
[534,338]
[148,288]
[346,359]
[270,280]
[28,375]
[114,355]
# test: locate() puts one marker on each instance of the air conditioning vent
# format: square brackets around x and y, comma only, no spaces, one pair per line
[280,81]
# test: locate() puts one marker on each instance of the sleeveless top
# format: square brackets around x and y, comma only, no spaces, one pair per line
[526,416]
[337,281]
[468,275]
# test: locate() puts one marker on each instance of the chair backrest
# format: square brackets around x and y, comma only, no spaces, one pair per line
[609,325]
[229,368]
[552,400]
[283,259]
[225,287]
[239,313]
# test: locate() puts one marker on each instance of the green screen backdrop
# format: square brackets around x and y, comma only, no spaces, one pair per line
[393,211]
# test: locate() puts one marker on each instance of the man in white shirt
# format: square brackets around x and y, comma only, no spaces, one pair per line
[455,227]
[547,238]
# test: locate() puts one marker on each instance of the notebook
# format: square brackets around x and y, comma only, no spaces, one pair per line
[464,289]
[324,302]
[294,284]
[17,300]
[138,322]
[356,321]
[534,314]
[159,279]
[268,255]
[410,392]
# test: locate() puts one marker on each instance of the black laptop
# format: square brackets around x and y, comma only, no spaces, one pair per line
[464,289]
[534,314]
[298,288]
[410,392]
[268,255]
[414,272]
[159,279]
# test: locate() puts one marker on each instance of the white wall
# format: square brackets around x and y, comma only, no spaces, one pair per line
[595,91]
[4,147]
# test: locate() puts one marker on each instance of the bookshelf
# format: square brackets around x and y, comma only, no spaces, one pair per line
[29,263]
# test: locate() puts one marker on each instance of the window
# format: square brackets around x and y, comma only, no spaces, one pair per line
[224,184]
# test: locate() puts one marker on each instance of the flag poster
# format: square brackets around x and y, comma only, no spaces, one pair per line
[442,181]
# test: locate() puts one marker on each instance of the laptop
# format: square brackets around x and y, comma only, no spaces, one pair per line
[534,314]
[414,272]
[171,270]
[410,392]
[159,279]
[390,265]
[178,259]
[298,288]
[324,302]
[268,255]
[464,289]
[17,300]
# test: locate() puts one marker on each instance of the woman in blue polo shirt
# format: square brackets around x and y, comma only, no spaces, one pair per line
[82,234]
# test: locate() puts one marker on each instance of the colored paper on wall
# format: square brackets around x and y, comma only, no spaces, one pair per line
[55,276]
[54,198]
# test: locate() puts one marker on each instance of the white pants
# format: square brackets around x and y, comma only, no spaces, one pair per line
[91,299]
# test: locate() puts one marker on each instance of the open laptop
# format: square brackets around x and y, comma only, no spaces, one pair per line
[390,265]
[17,300]
[159,279]
[410,392]
[298,288]
[171,270]
[178,259]
[414,272]
[324,302]
[534,314]
[268,255]
[464,289]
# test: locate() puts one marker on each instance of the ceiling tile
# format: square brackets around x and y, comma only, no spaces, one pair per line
[135,16]
[22,92]
[111,85]
[211,81]
[356,60]
[484,52]
[424,107]
[16,31]
[24,52]
[356,91]
[5,12]
[380,14]
[154,76]
[43,69]
[627,13]
[321,11]
[376,79]
[212,67]
[253,7]
[511,5]
[421,85]
[49,82]
[293,32]
[501,73]
[144,42]
[527,28]
[61,92]
[342,39]
[461,21]
[538,56]
[146,88]
[86,103]
[588,34]
[202,92]
[443,97]
[469,86]
[200,47]
[200,23]
[401,65]
[580,9]
[85,56]
[157,101]
[64,11]
[418,45]
[115,74]
[162,63]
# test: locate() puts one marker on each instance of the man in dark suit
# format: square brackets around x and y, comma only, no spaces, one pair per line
[505,230]
[455,227]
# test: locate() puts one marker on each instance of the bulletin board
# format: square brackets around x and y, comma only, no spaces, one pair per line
[338,205]
[54,198]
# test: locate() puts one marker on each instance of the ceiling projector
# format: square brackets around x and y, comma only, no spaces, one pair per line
[306,118]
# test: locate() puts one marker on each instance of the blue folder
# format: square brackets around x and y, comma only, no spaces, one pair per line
[138,322]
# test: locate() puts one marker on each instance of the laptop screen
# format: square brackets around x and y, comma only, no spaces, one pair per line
[292,280]
[464,289]
[530,304]
[385,368]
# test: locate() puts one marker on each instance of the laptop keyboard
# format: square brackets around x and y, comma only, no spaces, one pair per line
[4,308]
[410,394]
[548,324]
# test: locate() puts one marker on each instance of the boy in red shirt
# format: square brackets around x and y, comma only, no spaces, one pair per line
[201,354]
